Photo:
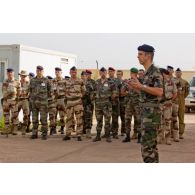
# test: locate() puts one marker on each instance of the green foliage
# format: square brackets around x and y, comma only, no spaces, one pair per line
[1,122]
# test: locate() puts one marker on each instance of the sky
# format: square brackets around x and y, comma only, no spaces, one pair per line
[118,50]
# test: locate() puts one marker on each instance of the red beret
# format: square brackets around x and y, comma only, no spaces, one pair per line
[110,68]
[88,71]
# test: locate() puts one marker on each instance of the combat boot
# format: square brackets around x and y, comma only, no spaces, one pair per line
[15,129]
[134,136]
[104,136]
[168,141]
[44,137]
[139,137]
[115,136]
[66,138]
[79,138]
[34,136]
[62,130]
[175,136]
[97,138]
[127,139]
[181,136]
[88,133]
[52,130]
[108,139]
[24,130]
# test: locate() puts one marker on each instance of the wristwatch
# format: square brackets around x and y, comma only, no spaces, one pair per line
[143,87]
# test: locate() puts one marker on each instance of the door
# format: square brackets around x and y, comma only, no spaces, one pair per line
[3,67]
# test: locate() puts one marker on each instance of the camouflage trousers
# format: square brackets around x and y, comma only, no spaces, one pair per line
[165,128]
[87,116]
[52,113]
[132,109]
[10,113]
[77,111]
[174,124]
[181,112]
[115,115]
[103,110]
[122,113]
[150,121]
[41,108]
[61,109]
[24,106]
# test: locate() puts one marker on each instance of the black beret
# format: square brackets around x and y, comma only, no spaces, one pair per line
[146,48]
[39,67]
[49,77]
[83,73]
[66,77]
[163,70]
[58,69]
[73,68]
[31,74]
[170,67]
[178,70]
[10,70]
[111,68]
[102,69]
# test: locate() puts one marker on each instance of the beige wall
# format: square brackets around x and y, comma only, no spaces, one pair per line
[187,75]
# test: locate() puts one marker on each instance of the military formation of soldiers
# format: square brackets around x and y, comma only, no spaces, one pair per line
[153,97]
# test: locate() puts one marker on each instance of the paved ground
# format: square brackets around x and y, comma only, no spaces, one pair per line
[22,149]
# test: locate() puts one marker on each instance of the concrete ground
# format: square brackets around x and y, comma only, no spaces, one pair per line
[54,150]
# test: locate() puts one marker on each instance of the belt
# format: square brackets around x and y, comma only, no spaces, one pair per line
[73,99]
[150,104]
[61,96]
[22,98]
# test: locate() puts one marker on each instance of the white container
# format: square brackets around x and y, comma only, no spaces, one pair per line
[21,57]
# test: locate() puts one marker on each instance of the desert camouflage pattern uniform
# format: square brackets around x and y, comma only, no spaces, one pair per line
[75,89]
[10,91]
[23,104]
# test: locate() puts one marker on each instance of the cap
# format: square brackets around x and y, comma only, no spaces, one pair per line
[58,69]
[83,73]
[134,70]
[170,67]
[31,74]
[164,71]
[102,69]
[146,48]
[73,68]
[178,70]
[39,67]
[111,68]
[88,72]
[23,73]
[10,70]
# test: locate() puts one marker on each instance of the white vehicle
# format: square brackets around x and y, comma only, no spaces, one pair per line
[21,57]
[190,100]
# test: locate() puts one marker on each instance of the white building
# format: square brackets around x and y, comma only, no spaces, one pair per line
[21,57]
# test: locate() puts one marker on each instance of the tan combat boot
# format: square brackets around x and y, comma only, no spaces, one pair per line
[175,136]
[168,139]
[181,136]
[88,133]
[134,136]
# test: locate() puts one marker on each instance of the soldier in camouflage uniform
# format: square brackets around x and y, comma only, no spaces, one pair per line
[175,106]
[59,92]
[151,91]
[52,109]
[23,100]
[170,92]
[75,89]
[133,107]
[181,100]
[105,91]
[31,75]
[40,91]
[122,101]
[115,103]
[11,92]
[88,103]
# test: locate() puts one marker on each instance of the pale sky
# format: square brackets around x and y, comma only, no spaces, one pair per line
[113,49]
